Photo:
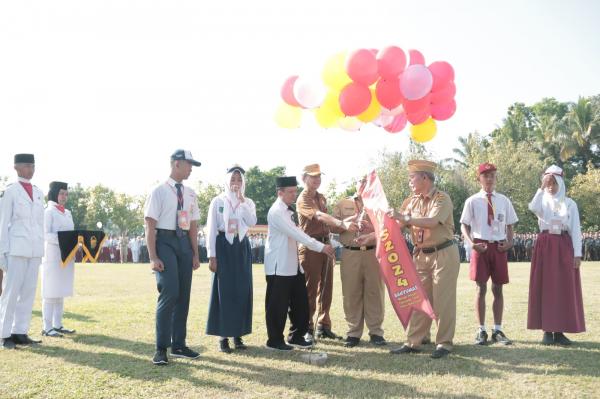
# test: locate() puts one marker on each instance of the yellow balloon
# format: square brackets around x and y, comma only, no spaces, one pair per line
[329,112]
[423,132]
[350,123]
[288,116]
[371,113]
[334,73]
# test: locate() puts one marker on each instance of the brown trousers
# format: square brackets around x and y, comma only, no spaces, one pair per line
[364,292]
[318,271]
[438,272]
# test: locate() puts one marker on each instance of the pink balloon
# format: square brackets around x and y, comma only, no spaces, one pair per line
[391,62]
[362,67]
[415,82]
[416,58]
[419,117]
[354,99]
[442,73]
[287,91]
[388,93]
[444,94]
[416,106]
[397,124]
[441,112]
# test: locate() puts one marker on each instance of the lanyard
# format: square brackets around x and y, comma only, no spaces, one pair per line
[233,208]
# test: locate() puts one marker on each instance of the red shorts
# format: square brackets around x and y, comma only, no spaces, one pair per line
[492,263]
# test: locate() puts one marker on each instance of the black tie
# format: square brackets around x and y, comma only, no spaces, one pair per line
[178,229]
[294,214]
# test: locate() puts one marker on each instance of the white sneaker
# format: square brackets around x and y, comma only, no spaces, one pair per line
[52,333]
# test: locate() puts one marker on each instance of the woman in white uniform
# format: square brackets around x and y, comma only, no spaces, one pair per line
[57,280]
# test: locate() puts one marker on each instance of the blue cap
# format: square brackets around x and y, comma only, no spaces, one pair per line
[184,155]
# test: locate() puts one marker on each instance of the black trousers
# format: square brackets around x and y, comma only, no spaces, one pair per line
[286,295]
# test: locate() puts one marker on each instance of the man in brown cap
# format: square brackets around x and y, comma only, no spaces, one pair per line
[428,215]
[315,222]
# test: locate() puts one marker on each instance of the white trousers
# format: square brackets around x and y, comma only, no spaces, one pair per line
[52,312]
[18,292]
[135,255]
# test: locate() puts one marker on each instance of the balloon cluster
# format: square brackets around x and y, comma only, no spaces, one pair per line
[371,86]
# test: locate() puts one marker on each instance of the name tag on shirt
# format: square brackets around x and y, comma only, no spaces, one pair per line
[232,226]
[183,220]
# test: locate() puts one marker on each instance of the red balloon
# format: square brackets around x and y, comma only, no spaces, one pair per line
[444,94]
[391,62]
[398,123]
[362,67]
[354,99]
[419,117]
[442,73]
[388,93]
[416,106]
[441,112]
[287,91]
[416,57]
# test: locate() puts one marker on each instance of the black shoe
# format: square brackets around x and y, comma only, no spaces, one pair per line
[224,346]
[481,338]
[351,342]
[63,330]
[160,357]
[560,339]
[499,338]
[300,342]
[548,339]
[280,347]
[440,353]
[404,349]
[24,339]
[185,352]
[239,344]
[377,340]
[327,333]
[8,343]
[52,333]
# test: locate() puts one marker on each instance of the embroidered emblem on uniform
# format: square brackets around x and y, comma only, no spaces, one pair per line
[93,242]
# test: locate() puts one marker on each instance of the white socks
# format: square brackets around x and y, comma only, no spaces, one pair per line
[52,312]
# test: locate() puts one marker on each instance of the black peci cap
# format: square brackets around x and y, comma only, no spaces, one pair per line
[286,181]
[24,158]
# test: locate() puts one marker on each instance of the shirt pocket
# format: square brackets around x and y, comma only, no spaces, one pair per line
[22,209]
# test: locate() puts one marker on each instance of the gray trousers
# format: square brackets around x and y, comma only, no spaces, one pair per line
[174,285]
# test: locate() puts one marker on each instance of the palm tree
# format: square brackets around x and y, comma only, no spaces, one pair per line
[583,121]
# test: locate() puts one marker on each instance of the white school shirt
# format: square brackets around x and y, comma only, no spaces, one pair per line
[570,221]
[161,205]
[281,249]
[245,212]
[475,214]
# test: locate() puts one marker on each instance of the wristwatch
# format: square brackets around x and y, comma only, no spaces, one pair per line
[406,218]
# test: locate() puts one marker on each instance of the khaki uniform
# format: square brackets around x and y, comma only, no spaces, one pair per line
[438,271]
[318,268]
[362,286]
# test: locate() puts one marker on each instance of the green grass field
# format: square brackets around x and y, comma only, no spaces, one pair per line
[109,357]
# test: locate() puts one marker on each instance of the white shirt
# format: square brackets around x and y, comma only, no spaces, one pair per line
[475,215]
[569,221]
[22,222]
[281,250]
[161,205]
[245,212]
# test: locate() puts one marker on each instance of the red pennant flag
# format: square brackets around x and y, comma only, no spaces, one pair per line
[395,262]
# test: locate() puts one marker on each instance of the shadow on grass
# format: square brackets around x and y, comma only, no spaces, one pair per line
[69,315]
[125,365]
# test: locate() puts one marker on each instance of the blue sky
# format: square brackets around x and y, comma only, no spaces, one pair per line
[104,91]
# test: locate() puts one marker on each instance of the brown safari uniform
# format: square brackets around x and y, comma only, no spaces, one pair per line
[362,286]
[437,267]
[318,268]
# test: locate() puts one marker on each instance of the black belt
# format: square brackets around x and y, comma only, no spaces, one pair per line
[164,232]
[431,250]
[362,248]
[324,240]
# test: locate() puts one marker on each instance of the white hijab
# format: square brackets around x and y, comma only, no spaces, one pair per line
[231,203]
[554,206]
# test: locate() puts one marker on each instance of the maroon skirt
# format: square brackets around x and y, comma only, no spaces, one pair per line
[555,301]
